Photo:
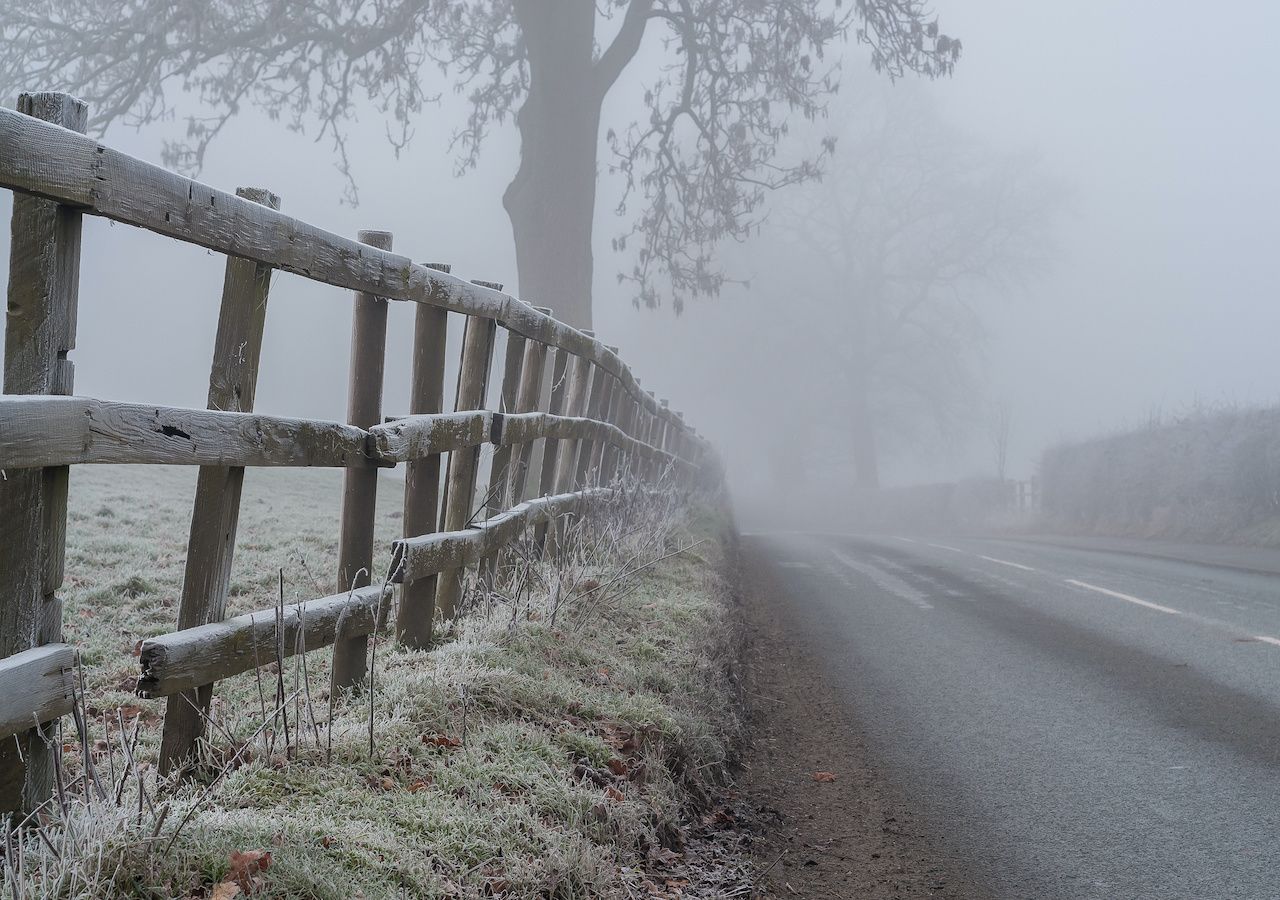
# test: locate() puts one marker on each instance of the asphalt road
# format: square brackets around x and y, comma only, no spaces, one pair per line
[1064,722]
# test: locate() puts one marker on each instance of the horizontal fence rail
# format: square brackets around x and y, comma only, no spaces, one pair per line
[75,170]
[36,432]
[562,393]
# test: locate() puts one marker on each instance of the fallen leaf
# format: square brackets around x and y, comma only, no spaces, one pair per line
[664,857]
[441,740]
[824,776]
[614,794]
[617,767]
[246,865]
[225,891]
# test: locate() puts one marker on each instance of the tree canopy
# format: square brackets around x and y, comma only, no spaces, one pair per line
[696,163]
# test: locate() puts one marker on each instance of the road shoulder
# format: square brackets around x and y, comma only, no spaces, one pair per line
[820,838]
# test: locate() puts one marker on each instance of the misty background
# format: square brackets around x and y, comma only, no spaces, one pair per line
[1156,123]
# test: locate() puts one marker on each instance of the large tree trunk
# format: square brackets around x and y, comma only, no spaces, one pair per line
[551,201]
[866,463]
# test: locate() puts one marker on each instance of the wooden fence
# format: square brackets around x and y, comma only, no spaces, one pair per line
[597,423]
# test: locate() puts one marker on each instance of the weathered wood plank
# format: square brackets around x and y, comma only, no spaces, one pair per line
[36,685]
[528,396]
[574,406]
[62,431]
[193,657]
[597,408]
[40,333]
[459,503]
[60,165]
[523,427]
[416,437]
[215,515]
[360,488]
[500,470]
[421,556]
[560,375]
[415,617]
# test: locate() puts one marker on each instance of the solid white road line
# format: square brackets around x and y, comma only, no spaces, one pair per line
[1269,640]
[1005,562]
[1119,596]
[945,547]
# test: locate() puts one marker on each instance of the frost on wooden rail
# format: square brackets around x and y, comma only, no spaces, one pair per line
[73,169]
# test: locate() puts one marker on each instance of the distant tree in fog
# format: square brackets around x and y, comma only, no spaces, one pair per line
[885,258]
[696,163]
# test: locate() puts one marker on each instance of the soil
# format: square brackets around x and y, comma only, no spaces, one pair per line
[850,837]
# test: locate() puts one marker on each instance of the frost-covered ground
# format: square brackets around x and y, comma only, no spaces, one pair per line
[518,759]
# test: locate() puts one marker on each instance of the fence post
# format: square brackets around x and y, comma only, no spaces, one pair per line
[575,405]
[40,331]
[415,620]
[360,485]
[551,446]
[512,372]
[575,401]
[596,408]
[613,415]
[528,397]
[233,382]
[473,381]
[629,462]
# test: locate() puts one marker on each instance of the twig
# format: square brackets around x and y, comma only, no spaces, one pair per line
[229,766]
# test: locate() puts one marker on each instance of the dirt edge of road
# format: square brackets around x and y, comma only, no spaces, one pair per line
[819,838]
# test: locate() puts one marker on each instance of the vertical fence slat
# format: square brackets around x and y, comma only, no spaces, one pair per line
[360,485]
[555,406]
[233,381]
[473,382]
[528,397]
[40,332]
[595,410]
[415,621]
[574,405]
[500,471]
[575,400]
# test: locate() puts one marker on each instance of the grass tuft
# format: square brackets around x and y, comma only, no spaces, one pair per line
[544,751]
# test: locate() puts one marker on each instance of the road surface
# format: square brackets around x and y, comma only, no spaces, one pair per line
[1065,722]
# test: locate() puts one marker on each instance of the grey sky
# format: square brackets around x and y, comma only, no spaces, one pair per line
[1160,116]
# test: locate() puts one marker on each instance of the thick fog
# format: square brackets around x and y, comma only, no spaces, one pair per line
[1149,135]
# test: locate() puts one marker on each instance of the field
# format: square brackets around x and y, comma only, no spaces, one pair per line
[549,747]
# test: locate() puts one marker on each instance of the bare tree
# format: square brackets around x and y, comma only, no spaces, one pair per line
[886,258]
[696,165]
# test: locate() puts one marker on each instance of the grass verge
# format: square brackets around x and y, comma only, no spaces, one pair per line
[553,747]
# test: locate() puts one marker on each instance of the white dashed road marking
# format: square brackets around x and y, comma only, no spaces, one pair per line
[1126,597]
[1005,562]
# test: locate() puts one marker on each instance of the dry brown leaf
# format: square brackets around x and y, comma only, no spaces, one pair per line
[225,891]
[614,794]
[441,740]
[617,767]
[824,776]
[246,866]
